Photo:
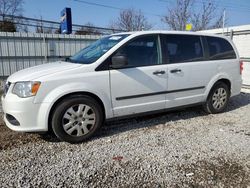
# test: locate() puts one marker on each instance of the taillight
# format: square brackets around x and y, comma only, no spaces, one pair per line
[241,67]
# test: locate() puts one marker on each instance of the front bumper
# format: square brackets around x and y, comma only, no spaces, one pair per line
[31,117]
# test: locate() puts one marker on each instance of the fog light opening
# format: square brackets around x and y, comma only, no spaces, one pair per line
[12,120]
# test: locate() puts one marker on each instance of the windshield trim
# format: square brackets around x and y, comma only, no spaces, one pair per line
[94,53]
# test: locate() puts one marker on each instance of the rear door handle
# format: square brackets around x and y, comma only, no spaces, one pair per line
[175,70]
[159,72]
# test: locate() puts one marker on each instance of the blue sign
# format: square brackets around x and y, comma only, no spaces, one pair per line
[66,21]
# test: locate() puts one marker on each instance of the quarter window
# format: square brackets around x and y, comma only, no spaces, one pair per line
[183,48]
[220,48]
[142,51]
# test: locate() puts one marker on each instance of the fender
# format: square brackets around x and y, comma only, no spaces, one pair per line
[221,75]
[69,88]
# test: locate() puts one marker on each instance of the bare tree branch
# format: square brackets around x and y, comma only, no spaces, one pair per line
[131,20]
[219,22]
[88,30]
[12,8]
[183,13]
[179,16]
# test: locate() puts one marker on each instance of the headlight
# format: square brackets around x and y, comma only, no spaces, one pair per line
[26,89]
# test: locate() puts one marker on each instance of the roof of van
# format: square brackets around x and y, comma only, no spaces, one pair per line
[170,32]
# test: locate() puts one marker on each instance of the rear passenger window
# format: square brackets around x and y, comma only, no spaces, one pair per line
[220,48]
[183,48]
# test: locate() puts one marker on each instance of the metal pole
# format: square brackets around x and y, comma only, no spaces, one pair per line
[224,19]
[231,34]
[1,60]
[15,53]
[8,53]
[44,47]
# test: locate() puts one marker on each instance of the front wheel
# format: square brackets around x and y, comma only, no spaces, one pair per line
[218,98]
[77,118]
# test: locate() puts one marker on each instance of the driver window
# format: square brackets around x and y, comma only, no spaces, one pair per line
[142,51]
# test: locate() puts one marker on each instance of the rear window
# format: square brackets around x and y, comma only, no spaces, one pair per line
[220,48]
[183,48]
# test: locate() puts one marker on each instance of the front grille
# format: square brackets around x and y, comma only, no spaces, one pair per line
[6,88]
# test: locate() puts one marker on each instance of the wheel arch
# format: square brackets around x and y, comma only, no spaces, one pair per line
[208,106]
[223,80]
[52,109]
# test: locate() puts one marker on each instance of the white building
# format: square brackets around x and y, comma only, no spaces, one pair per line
[241,37]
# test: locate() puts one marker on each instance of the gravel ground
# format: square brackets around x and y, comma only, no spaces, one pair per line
[185,148]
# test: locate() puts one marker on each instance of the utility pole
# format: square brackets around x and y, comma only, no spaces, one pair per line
[224,20]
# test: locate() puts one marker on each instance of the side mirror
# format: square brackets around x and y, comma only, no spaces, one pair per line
[119,61]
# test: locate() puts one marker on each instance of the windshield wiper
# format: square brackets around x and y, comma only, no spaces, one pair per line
[67,59]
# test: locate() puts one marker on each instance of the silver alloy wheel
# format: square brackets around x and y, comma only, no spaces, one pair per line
[219,98]
[78,120]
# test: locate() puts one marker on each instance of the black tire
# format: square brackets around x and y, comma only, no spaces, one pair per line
[210,105]
[62,110]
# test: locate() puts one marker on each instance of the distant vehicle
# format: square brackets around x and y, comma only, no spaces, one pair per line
[121,75]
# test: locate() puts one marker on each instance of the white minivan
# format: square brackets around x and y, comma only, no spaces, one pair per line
[121,75]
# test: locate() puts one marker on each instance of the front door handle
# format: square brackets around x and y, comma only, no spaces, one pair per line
[159,72]
[175,70]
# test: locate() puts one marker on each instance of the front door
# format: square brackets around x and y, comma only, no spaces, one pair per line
[141,85]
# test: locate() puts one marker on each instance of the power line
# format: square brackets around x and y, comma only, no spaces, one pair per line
[229,6]
[112,7]
[51,22]
[48,24]
[233,5]
[97,4]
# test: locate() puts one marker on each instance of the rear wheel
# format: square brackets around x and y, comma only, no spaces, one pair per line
[218,98]
[77,118]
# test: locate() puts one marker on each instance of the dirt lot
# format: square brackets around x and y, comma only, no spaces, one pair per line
[186,148]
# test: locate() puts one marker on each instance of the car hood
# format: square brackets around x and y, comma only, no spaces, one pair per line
[33,73]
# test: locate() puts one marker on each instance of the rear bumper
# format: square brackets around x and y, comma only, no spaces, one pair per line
[236,87]
[31,117]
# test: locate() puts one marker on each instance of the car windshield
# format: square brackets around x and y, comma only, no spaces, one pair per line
[94,51]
